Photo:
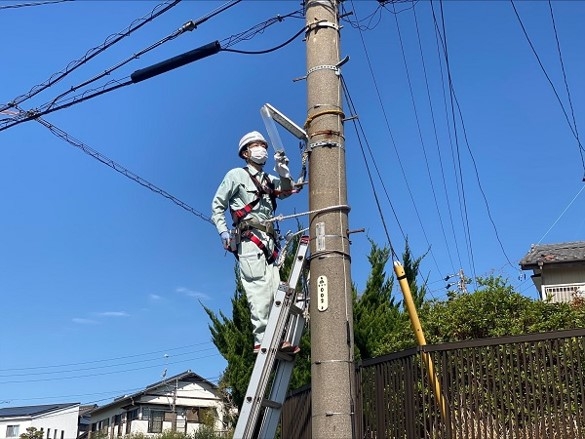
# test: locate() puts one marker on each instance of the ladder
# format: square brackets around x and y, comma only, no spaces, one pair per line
[273,368]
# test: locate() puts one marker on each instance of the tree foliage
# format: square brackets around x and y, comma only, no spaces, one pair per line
[32,433]
[495,310]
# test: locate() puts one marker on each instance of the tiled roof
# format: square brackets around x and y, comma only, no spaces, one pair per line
[554,254]
[32,410]
[184,376]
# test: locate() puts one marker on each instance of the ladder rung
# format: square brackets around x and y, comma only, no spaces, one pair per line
[295,310]
[271,404]
[285,356]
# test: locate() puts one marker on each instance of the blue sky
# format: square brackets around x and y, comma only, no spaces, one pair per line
[101,278]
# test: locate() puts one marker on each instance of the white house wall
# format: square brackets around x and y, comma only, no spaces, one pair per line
[58,424]
[188,394]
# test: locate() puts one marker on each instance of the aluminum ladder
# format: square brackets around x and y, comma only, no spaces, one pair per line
[272,371]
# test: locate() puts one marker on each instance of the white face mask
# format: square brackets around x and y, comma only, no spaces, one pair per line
[258,155]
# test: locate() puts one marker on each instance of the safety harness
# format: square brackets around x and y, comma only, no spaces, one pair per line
[266,187]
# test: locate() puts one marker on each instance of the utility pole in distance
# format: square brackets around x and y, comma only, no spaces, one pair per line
[332,365]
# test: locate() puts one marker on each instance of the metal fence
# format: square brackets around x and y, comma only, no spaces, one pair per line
[523,387]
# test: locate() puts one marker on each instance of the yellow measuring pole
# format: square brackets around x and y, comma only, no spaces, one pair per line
[420,337]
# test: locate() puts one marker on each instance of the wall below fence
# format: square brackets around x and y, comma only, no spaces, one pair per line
[523,387]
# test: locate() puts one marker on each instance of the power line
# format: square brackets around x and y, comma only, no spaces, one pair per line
[565,78]
[187,27]
[109,42]
[104,359]
[417,120]
[374,193]
[573,129]
[91,375]
[455,153]
[82,369]
[119,168]
[147,73]
[24,5]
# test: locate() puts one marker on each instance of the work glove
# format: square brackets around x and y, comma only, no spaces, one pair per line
[281,165]
[225,239]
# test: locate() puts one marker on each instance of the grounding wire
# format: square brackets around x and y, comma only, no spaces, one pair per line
[24,5]
[92,53]
[573,129]
[421,138]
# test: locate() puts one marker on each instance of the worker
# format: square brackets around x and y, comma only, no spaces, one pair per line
[250,194]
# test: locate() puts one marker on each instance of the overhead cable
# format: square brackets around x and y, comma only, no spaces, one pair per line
[420,135]
[130,370]
[456,151]
[186,27]
[119,168]
[571,127]
[359,134]
[24,5]
[409,189]
[476,170]
[106,366]
[561,215]
[110,41]
[437,143]
[147,73]
[567,89]
[102,360]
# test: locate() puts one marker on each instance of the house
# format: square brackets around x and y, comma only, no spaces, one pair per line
[56,421]
[558,270]
[180,403]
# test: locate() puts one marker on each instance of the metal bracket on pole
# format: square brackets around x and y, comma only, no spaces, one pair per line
[334,67]
[327,143]
[323,23]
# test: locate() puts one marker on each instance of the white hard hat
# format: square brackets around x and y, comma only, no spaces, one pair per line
[253,136]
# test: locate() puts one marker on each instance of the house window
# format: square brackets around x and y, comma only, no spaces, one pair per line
[130,416]
[155,421]
[12,431]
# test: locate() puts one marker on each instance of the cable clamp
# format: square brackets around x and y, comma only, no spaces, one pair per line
[323,23]
[335,68]
[327,143]
[323,67]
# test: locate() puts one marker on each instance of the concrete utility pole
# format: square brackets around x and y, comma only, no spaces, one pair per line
[332,365]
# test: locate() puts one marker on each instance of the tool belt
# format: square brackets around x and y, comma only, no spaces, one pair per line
[267,228]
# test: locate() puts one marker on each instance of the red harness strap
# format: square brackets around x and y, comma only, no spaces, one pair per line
[270,257]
